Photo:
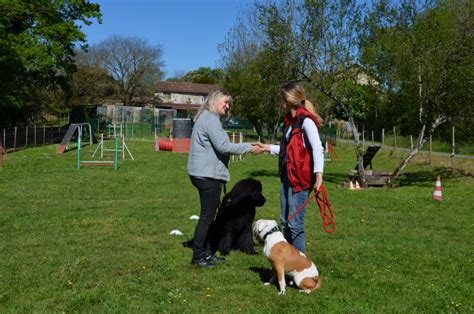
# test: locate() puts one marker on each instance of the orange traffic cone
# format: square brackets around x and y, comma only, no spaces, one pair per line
[357,186]
[351,186]
[437,194]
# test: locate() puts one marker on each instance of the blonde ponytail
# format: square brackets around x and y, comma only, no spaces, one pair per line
[294,95]
[308,105]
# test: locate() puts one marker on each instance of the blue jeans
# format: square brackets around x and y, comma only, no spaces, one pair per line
[290,202]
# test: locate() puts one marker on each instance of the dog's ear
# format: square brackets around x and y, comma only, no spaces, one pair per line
[234,198]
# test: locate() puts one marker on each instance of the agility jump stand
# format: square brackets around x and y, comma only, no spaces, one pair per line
[120,130]
[236,138]
[89,163]
[102,149]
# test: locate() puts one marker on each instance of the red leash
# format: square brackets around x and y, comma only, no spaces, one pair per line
[329,224]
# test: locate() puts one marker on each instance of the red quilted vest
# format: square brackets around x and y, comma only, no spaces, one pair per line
[299,160]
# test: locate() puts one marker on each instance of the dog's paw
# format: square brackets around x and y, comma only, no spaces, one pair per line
[305,291]
[266,283]
[282,292]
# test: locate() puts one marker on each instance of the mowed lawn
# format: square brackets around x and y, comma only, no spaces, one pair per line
[96,240]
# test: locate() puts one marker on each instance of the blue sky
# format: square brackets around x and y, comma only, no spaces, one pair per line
[188,30]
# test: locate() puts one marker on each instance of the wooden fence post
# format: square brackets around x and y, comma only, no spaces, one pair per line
[453,150]
[383,137]
[14,139]
[4,139]
[1,154]
[395,140]
[44,134]
[26,136]
[34,127]
[373,136]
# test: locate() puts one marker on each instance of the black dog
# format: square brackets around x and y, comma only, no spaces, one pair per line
[232,228]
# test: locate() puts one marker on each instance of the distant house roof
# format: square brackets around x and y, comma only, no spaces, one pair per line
[188,88]
[191,107]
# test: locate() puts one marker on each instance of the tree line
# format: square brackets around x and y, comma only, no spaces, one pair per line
[47,66]
[406,63]
[391,63]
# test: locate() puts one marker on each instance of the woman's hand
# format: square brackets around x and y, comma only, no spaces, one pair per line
[258,148]
[319,181]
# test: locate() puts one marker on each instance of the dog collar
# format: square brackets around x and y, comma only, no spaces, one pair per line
[274,229]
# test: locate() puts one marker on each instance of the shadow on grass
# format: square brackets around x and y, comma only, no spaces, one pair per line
[427,178]
[419,178]
[264,173]
[331,177]
[335,177]
[264,273]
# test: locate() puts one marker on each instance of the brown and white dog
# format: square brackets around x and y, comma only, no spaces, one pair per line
[285,258]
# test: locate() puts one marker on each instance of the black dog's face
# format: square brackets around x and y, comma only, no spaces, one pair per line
[248,191]
[258,199]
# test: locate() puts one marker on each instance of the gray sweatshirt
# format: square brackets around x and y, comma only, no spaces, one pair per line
[211,147]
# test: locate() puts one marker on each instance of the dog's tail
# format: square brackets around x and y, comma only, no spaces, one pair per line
[317,281]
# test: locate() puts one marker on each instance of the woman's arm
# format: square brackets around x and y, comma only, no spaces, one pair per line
[220,140]
[312,134]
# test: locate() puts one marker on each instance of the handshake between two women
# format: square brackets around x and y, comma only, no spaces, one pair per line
[258,148]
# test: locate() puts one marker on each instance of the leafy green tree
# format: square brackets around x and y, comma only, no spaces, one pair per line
[254,95]
[37,46]
[256,65]
[317,40]
[91,85]
[203,75]
[421,52]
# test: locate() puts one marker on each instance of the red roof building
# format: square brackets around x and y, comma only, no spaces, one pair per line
[182,96]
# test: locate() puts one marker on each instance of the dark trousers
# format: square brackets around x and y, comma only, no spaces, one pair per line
[209,195]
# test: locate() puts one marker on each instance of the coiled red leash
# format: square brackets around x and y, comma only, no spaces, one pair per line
[329,224]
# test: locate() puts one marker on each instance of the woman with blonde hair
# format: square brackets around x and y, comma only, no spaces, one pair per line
[207,168]
[301,159]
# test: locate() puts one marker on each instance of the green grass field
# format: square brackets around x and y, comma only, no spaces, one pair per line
[96,240]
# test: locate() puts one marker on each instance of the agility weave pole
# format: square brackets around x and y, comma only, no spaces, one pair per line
[91,163]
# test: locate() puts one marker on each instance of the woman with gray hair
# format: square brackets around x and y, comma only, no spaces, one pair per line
[207,168]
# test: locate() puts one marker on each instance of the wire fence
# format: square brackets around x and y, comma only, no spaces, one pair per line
[149,123]
[31,136]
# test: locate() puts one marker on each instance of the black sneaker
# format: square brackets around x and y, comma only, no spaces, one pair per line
[215,259]
[203,263]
